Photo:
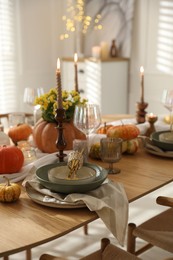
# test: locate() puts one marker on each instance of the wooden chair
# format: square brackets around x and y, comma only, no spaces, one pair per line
[107,251]
[157,231]
[5,116]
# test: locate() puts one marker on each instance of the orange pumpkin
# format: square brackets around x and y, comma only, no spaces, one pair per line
[126,132]
[20,132]
[11,158]
[45,135]
[104,129]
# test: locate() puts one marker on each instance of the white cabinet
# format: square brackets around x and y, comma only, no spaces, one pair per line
[104,82]
[68,75]
[107,84]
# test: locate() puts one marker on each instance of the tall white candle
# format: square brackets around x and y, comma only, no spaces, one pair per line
[142,83]
[76,74]
[59,90]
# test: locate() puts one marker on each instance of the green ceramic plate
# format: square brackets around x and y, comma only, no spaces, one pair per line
[42,176]
[158,141]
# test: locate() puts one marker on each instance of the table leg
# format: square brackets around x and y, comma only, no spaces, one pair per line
[86,229]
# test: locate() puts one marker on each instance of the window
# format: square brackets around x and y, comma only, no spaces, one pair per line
[8,94]
[165,37]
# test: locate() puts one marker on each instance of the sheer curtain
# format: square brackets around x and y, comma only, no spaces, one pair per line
[8,99]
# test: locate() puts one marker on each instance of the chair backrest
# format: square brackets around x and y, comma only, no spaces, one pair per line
[165,201]
[107,251]
[7,119]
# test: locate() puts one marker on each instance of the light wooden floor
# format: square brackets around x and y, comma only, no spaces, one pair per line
[76,245]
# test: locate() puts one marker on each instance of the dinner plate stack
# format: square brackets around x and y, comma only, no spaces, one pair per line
[160,143]
[163,139]
[55,178]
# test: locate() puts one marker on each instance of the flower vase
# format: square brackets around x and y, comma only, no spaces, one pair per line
[45,135]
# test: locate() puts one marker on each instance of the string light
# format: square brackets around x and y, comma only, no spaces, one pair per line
[76,14]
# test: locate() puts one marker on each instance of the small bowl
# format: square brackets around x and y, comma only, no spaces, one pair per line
[158,140]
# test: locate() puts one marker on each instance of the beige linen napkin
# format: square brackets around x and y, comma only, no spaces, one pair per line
[109,201]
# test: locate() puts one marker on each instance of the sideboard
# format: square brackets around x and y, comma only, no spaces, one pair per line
[104,82]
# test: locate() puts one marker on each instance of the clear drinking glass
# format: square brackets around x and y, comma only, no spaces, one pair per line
[30,95]
[111,152]
[87,118]
[16,118]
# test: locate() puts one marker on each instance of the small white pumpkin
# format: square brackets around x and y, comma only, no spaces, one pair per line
[4,139]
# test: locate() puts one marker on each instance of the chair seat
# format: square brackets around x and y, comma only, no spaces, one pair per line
[158,230]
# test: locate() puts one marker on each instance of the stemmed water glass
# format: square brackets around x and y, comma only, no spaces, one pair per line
[167,101]
[87,118]
[111,152]
[30,95]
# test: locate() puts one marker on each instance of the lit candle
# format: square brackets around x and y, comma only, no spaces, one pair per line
[59,90]
[152,118]
[29,155]
[151,115]
[76,74]
[142,84]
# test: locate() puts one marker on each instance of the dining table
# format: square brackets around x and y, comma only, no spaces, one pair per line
[26,224]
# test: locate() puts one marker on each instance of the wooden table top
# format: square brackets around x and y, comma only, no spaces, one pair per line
[25,224]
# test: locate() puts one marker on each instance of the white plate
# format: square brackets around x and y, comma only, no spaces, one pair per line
[38,198]
[162,154]
[59,175]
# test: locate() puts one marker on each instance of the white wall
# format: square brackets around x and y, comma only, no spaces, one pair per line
[38,45]
[40,25]
[144,53]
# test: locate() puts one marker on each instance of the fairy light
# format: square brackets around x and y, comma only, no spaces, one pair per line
[76,14]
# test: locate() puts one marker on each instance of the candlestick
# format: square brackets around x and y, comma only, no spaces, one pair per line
[60,116]
[76,74]
[151,120]
[142,84]
[140,113]
[60,142]
[59,90]
[151,117]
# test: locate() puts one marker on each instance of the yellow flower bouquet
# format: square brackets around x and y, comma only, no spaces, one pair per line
[48,103]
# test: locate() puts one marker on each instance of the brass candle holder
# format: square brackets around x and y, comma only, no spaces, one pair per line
[141,113]
[151,119]
[60,143]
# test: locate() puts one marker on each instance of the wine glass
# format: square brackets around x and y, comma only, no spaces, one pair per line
[87,118]
[167,101]
[30,95]
[111,152]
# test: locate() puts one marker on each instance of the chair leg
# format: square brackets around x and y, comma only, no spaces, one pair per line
[131,239]
[104,243]
[6,258]
[28,254]
[86,229]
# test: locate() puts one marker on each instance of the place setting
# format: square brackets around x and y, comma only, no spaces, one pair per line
[160,142]
[75,184]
